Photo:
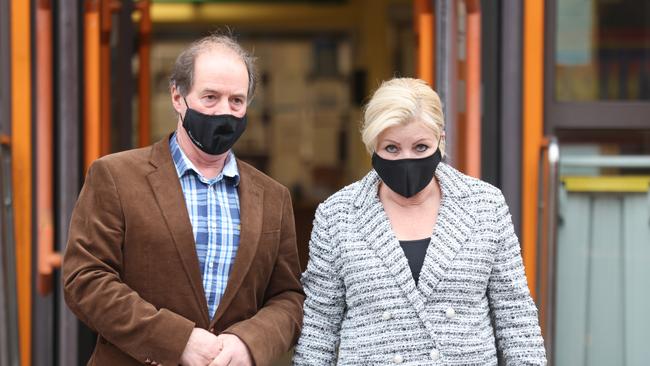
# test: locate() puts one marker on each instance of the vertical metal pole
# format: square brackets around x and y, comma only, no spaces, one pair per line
[4,296]
[68,154]
[554,187]
[144,74]
[10,344]
[5,69]
[8,339]
[105,66]
[547,248]
[491,81]
[43,300]
[446,68]
[511,110]
[123,83]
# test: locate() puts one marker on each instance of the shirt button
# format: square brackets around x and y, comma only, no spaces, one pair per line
[450,313]
[435,354]
[398,359]
[387,315]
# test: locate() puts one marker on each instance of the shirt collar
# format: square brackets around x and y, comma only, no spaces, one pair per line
[184,165]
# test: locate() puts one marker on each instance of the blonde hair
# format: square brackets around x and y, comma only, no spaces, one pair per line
[400,101]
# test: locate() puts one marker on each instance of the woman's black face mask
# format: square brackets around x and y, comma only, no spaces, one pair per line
[213,134]
[407,177]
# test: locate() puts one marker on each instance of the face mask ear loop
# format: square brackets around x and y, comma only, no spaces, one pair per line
[186,108]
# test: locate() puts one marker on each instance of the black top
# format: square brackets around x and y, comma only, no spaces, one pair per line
[415,251]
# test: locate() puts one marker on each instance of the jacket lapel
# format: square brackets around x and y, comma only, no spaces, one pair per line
[251,196]
[453,228]
[375,228]
[166,187]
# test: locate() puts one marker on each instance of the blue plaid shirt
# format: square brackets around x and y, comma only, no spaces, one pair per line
[213,206]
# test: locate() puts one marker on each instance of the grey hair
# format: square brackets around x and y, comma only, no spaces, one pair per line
[182,76]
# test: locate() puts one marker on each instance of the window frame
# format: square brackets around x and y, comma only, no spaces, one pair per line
[606,114]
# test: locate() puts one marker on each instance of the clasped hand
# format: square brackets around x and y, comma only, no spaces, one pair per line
[204,348]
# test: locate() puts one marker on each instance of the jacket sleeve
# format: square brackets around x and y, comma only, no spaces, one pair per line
[276,326]
[517,328]
[325,299]
[92,283]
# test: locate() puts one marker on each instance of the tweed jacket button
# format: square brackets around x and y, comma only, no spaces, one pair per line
[435,354]
[398,359]
[450,313]
[387,315]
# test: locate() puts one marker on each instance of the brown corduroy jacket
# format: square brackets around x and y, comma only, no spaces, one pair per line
[131,271]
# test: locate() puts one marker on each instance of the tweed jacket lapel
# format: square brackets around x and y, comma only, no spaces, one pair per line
[168,192]
[453,227]
[375,229]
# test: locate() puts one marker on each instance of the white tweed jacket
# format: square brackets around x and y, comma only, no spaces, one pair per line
[364,308]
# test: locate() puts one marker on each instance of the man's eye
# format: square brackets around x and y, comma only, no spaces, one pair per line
[421,148]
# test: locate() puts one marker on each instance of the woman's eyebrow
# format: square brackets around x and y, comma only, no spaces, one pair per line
[425,139]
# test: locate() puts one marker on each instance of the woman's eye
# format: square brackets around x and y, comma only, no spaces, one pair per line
[391,148]
[421,148]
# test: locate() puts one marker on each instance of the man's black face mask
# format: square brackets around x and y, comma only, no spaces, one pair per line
[407,177]
[213,134]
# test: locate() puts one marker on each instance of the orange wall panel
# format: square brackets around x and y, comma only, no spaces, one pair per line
[21,161]
[533,126]
[92,83]
[472,142]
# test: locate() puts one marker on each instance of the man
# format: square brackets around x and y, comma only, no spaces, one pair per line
[179,252]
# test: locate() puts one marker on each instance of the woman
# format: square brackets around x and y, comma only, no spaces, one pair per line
[410,264]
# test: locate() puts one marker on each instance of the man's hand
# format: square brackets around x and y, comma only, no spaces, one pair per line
[233,353]
[201,348]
